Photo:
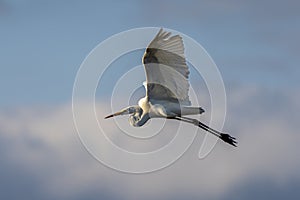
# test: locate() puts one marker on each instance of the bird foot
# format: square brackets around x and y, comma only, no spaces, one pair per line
[229,139]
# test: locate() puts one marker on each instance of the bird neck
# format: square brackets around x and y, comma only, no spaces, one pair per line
[144,104]
[143,120]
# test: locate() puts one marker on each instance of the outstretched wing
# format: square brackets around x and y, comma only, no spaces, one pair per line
[166,69]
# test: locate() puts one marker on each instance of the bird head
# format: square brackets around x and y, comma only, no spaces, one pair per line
[125,111]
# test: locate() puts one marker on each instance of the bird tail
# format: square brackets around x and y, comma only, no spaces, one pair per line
[187,110]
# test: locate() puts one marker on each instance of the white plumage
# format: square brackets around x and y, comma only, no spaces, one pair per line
[167,86]
[166,69]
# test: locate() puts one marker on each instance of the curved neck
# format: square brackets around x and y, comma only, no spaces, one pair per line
[143,120]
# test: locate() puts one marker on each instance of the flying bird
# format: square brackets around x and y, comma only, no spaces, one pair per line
[167,87]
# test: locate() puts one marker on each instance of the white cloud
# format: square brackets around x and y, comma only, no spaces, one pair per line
[46,144]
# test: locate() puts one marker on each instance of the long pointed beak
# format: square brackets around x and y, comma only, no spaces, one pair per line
[109,116]
[116,114]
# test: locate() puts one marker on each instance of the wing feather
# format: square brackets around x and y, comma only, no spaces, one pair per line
[166,70]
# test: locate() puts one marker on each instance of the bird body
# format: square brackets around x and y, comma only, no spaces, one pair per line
[166,86]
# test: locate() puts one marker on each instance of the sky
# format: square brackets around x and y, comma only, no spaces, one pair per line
[255,45]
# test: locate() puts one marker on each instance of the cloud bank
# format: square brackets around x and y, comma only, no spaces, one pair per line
[42,156]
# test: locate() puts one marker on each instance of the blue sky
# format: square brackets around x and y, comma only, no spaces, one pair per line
[252,43]
[255,45]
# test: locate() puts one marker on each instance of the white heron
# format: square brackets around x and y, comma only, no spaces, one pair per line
[167,86]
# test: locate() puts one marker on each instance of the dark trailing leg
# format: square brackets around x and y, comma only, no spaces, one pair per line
[223,136]
[227,138]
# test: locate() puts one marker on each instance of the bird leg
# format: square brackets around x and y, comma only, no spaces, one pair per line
[223,136]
